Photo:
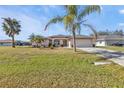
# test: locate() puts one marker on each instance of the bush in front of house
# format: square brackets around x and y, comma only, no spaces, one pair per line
[61,45]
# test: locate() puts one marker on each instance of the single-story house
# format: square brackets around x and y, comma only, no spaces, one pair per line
[67,41]
[7,42]
[108,40]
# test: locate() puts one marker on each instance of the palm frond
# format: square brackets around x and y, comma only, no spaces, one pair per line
[88,10]
[71,9]
[53,21]
[68,21]
[92,29]
[11,26]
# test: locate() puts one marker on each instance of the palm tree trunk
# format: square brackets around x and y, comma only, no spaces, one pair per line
[74,41]
[13,42]
[37,45]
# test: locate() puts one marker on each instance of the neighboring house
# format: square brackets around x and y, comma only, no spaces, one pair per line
[7,42]
[108,40]
[67,41]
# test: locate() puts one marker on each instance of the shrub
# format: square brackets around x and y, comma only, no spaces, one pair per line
[61,45]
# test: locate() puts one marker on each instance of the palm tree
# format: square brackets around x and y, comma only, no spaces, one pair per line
[36,38]
[74,18]
[32,37]
[11,28]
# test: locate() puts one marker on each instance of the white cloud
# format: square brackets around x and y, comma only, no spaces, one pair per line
[121,11]
[29,24]
[121,24]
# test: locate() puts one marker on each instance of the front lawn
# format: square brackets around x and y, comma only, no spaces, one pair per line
[115,48]
[32,67]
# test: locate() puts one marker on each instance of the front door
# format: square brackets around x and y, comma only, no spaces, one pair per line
[64,42]
[56,43]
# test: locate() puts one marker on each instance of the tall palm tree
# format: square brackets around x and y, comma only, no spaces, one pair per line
[74,18]
[11,28]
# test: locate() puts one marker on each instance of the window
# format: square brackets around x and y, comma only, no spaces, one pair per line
[100,42]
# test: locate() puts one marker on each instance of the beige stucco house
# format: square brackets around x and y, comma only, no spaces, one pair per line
[67,41]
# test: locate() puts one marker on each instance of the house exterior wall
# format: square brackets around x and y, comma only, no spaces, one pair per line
[100,43]
[46,43]
[108,42]
[81,43]
[34,44]
[59,41]
[69,43]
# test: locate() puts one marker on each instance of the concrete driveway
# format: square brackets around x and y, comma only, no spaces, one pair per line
[116,57]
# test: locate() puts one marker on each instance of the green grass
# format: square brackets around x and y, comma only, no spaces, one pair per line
[115,48]
[32,67]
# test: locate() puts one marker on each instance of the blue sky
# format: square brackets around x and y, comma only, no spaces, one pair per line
[34,18]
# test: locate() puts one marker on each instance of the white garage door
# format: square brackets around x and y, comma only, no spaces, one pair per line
[84,43]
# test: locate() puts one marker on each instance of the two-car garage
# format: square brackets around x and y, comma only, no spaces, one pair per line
[82,41]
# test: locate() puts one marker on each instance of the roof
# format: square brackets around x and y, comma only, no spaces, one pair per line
[110,37]
[59,36]
[69,37]
[82,37]
[6,41]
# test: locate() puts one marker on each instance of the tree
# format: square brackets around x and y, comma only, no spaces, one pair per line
[39,39]
[11,27]
[32,37]
[108,32]
[36,38]
[118,32]
[74,18]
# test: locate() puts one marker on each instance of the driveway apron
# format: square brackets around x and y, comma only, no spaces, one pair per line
[116,57]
